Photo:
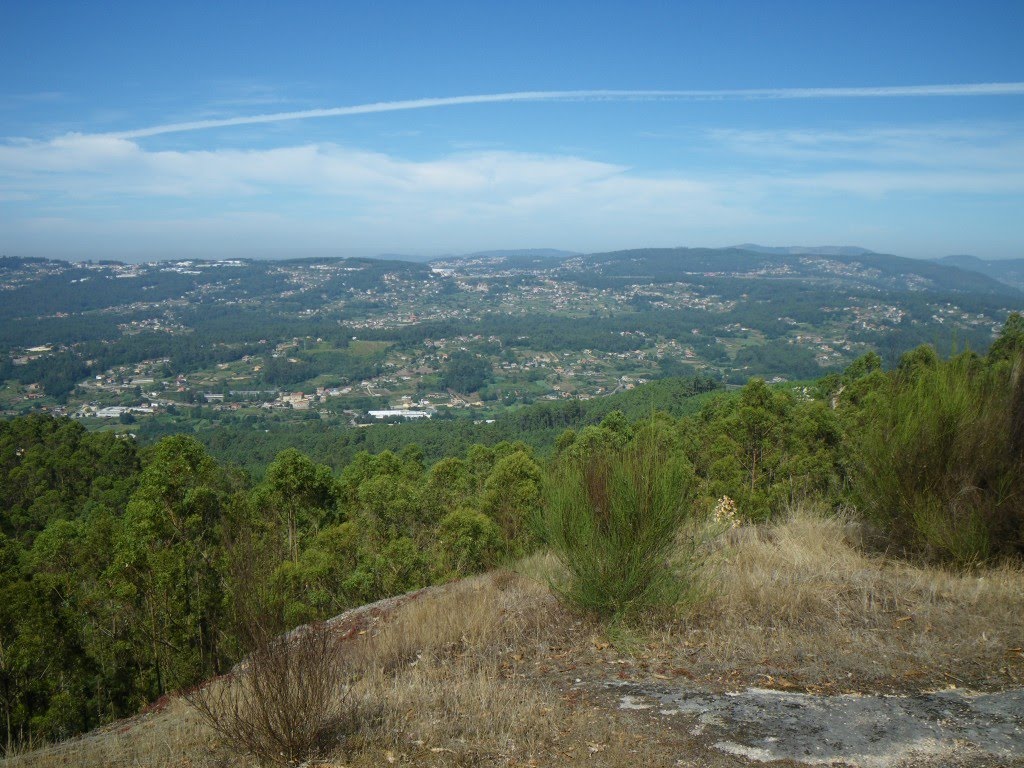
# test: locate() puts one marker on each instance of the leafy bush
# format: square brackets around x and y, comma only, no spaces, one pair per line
[941,462]
[613,518]
[470,541]
[511,496]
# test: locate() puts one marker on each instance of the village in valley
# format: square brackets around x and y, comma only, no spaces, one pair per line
[359,341]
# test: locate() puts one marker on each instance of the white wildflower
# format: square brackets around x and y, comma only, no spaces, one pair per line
[725,513]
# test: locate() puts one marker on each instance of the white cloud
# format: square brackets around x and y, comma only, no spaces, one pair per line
[102,166]
[860,162]
[994,147]
[110,190]
[877,184]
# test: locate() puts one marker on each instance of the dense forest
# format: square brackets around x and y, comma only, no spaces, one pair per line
[128,571]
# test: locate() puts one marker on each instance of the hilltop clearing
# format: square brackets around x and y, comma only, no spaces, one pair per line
[493,671]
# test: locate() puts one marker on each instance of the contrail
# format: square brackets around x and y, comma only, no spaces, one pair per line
[968,89]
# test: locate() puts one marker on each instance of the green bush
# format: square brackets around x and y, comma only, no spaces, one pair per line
[469,542]
[940,462]
[614,518]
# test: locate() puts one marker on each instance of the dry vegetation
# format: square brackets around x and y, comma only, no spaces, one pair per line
[492,671]
[171,736]
[288,701]
[802,600]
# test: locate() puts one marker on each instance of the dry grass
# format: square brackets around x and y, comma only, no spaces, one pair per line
[173,737]
[465,679]
[800,601]
[488,614]
[456,663]
[483,672]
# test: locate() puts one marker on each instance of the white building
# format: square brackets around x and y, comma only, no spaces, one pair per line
[401,413]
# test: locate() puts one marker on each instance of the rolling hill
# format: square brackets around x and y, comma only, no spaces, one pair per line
[864,270]
[1008,271]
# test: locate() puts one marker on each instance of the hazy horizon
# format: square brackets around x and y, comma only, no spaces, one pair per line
[325,253]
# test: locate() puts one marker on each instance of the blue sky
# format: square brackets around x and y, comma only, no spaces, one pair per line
[86,171]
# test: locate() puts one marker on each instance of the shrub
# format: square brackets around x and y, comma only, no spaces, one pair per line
[613,517]
[469,540]
[512,496]
[941,466]
[286,703]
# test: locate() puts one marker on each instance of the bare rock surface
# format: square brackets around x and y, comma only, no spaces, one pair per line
[948,727]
